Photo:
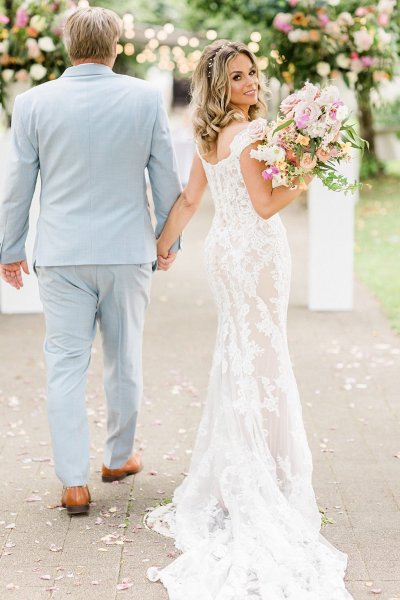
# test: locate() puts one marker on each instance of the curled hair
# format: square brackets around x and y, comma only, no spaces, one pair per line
[211,92]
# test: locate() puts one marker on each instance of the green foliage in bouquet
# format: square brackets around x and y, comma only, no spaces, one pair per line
[31,47]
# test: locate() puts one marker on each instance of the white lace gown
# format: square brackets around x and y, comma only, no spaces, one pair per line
[246,517]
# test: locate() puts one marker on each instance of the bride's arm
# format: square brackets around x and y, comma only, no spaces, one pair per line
[266,200]
[184,208]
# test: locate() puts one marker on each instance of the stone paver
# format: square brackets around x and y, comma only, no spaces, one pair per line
[347,367]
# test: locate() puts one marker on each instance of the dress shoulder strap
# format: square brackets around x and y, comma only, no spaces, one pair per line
[255,131]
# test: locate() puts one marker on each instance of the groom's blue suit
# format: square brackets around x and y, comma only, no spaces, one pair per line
[91,134]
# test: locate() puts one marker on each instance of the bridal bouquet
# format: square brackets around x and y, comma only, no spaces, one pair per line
[310,137]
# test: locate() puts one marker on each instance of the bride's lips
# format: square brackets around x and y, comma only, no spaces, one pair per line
[250,93]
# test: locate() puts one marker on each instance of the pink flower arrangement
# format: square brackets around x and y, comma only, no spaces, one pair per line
[31,46]
[337,38]
[309,137]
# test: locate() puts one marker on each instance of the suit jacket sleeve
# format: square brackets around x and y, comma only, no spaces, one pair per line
[163,172]
[23,168]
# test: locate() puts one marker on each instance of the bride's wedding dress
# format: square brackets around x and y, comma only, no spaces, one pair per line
[246,517]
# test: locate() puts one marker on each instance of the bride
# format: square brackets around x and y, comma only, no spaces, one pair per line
[246,517]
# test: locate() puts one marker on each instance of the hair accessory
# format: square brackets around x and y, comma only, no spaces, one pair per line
[211,59]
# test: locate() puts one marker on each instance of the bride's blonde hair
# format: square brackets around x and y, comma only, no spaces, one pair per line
[211,92]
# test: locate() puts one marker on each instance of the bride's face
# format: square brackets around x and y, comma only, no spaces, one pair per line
[243,81]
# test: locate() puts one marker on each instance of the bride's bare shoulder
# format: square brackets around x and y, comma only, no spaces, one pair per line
[229,132]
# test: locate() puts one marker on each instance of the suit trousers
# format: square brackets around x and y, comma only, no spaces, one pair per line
[75,298]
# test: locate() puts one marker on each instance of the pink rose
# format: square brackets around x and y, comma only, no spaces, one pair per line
[383,20]
[368,61]
[282,22]
[288,104]
[361,12]
[21,18]
[22,75]
[4,20]
[257,129]
[323,19]
[33,48]
[307,162]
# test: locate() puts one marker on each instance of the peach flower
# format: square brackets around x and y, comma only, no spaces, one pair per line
[307,162]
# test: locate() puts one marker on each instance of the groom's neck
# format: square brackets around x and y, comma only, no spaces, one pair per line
[109,63]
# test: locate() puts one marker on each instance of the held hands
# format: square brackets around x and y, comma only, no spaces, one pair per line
[12,273]
[165,257]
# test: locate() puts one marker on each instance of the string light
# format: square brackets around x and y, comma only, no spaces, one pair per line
[128,19]
[182,40]
[211,34]
[263,63]
[253,46]
[149,33]
[169,28]
[153,44]
[255,36]
[129,49]
[83,4]
[162,35]
[194,42]
[120,49]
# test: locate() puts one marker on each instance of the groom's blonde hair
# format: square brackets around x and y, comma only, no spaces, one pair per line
[92,33]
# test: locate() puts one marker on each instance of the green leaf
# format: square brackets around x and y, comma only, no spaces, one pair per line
[283,126]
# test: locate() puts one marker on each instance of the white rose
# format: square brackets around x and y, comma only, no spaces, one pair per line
[260,153]
[342,112]
[329,95]
[384,37]
[345,18]
[257,129]
[323,69]
[8,75]
[273,154]
[343,61]
[37,72]
[39,23]
[352,77]
[386,6]
[46,44]
[363,40]
[295,35]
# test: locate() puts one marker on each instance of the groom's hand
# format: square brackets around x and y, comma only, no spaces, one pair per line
[165,263]
[12,273]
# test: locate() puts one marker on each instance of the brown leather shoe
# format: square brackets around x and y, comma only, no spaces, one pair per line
[76,499]
[132,466]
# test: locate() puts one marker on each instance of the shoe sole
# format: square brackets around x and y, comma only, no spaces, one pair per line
[111,478]
[77,510]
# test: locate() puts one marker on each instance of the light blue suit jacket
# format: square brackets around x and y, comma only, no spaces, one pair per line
[91,133]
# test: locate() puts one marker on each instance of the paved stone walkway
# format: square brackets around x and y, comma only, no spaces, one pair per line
[348,371]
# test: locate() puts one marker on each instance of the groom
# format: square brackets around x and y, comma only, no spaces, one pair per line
[91,134]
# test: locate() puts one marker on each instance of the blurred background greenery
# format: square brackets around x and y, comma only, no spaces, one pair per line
[170,34]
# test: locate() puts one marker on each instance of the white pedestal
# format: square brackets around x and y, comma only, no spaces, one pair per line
[25,300]
[331,244]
